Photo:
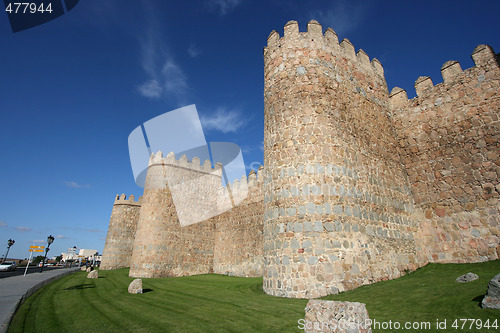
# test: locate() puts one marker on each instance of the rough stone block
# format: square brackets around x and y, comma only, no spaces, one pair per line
[135,287]
[492,298]
[93,275]
[335,316]
[467,277]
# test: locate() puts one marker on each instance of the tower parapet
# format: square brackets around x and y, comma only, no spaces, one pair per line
[122,228]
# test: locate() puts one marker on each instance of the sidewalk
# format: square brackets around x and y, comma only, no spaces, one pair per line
[14,290]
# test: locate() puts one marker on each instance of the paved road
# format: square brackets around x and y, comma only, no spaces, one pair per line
[14,289]
[20,271]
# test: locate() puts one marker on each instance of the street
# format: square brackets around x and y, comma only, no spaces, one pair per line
[20,271]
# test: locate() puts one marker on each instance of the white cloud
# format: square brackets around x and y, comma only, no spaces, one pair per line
[342,16]
[3,224]
[73,184]
[61,237]
[165,78]
[151,89]
[39,241]
[23,229]
[193,51]
[224,6]
[223,120]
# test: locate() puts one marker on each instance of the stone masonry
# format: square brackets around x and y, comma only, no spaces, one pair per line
[359,185]
[121,233]
[449,139]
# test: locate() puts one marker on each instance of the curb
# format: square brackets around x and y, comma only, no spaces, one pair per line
[5,325]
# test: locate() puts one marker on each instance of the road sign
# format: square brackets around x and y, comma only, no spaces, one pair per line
[36,248]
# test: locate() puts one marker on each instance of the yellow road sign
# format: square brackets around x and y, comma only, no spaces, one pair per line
[36,250]
[37,247]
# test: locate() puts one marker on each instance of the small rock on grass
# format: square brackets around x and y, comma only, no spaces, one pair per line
[467,277]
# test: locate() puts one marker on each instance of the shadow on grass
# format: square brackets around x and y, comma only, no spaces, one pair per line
[146,290]
[81,286]
[479,299]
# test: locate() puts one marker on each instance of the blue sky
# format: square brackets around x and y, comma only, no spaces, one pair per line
[74,88]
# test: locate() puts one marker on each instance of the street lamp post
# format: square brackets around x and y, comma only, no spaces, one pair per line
[10,242]
[50,240]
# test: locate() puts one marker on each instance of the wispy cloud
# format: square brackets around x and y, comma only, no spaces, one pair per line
[91,230]
[3,224]
[223,120]
[151,89]
[342,16]
[73,184]
[223,7]
[23,229]
[39,241]
[193,51]
[81,229]
[62,237]
[165,77]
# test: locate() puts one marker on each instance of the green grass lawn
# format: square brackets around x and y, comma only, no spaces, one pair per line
[216,303]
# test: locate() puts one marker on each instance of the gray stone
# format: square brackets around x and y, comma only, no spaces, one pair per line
[474,232]
[135,287]
[295,244]
[308,226]
[467,277]
[336,316]
[317,226]
[492,298]
[93,275]
[312,260]
[329,226]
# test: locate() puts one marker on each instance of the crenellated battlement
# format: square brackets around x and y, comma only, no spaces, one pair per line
[314,38]
[122,200]
[194,164]
[484,59]
[233,193]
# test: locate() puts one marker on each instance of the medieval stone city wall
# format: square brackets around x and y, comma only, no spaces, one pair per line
[338,207]
[238,247]
[359,185]
[450,140]
[121,233]
[162,246]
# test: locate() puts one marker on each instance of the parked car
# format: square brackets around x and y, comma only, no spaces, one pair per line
[8,266]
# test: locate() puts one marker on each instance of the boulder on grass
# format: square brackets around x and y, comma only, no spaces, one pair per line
[135,287]
[492,298]
[93,275]
[335,316]
[467,277]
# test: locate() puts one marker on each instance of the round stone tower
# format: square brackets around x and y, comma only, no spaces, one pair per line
[174,237]
[121,233]
[331,209]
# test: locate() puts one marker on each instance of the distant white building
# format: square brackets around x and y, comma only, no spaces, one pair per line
[87,253]
[83,253]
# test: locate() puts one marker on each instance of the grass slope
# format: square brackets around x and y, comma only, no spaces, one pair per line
[215,303]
